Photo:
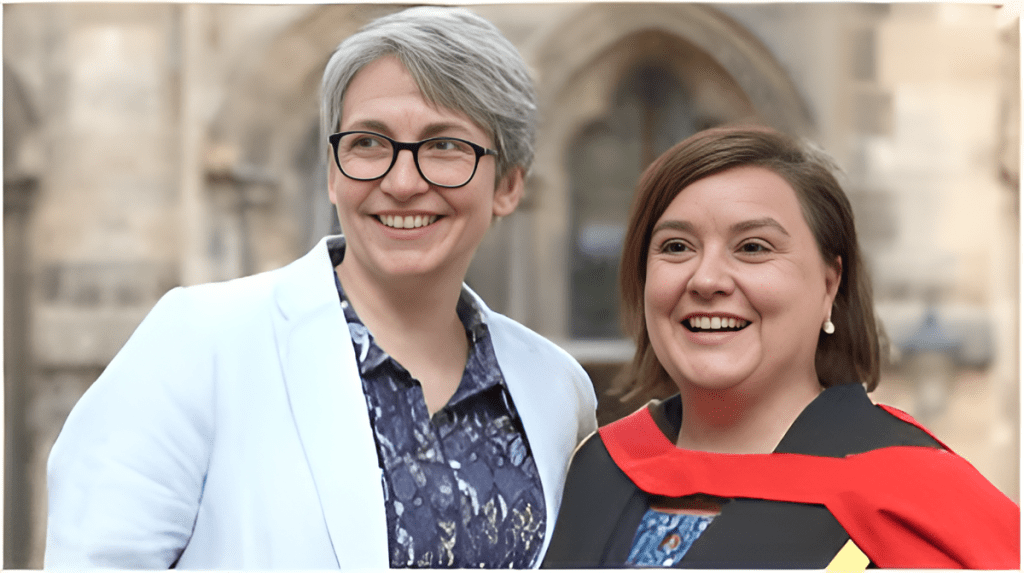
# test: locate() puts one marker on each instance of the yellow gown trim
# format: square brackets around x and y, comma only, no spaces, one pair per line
[850,559]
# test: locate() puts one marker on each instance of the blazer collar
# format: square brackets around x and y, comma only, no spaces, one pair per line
[306,286]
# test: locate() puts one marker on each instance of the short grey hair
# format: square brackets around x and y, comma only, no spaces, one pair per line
[459,60]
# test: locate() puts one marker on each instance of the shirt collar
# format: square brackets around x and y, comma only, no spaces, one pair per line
[481,364]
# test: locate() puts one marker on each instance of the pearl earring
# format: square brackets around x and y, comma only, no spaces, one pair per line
[828,327]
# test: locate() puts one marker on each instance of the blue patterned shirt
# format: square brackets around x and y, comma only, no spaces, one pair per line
[662,539]
[461,488]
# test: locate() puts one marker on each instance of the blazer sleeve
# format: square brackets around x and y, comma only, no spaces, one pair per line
[126,473]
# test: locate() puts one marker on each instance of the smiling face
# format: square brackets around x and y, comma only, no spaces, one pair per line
[400,226]
[736,289]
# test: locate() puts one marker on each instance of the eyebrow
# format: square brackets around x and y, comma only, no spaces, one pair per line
[431,130]
[369,125]
[673,224]
[688,227]
[758,223]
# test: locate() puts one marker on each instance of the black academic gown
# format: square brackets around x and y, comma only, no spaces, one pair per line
[602,507]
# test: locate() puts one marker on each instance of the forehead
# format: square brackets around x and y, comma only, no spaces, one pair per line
[735,195]
[384,94]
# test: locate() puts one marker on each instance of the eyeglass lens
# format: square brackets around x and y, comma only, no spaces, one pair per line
[446,162]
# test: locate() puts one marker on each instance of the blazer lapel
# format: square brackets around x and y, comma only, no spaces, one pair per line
[551,432]
[329,409]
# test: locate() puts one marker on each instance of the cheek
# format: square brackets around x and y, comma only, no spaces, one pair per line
[650,312]
[338,199]
[333,180]
[347,195]
[766,294]
[663,289]
[655,322]
[786,295]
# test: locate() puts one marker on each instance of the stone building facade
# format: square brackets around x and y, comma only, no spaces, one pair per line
[152,145]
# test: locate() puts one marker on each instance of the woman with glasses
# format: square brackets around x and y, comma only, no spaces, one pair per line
[361,407]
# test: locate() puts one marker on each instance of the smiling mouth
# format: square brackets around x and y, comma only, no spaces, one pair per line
[407,222]
[714,324]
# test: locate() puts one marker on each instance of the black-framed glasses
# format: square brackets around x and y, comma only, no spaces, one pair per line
[442,161]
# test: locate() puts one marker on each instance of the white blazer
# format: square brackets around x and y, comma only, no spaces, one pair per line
[231,432]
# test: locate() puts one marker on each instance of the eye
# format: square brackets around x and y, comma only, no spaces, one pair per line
[365,141]
[447,147]
[753,248]
[442,144]
[674,247]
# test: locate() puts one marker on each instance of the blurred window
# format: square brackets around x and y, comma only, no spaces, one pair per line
[651,111]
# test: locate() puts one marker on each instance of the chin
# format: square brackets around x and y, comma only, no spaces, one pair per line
[711,383]
[716,376]
[718,380]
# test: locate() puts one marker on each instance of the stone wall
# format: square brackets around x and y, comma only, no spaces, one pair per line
[152,145]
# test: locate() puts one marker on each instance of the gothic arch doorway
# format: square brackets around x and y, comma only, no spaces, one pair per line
[667,90]
[618,85]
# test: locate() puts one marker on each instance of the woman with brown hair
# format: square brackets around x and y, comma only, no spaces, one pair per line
[743,286]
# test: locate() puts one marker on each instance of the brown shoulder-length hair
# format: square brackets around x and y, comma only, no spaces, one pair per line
[851,354]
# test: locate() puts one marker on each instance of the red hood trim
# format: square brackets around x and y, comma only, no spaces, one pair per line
[904,506]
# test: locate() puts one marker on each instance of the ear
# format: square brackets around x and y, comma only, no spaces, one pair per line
[333,177]
[833,276]
[508,192]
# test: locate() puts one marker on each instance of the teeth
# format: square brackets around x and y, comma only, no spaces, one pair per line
[407,222]
[715,323]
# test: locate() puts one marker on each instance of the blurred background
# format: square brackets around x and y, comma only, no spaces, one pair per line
[153,145]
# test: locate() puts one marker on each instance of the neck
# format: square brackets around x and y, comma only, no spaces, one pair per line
[416,323]
[736,422]
[407,305]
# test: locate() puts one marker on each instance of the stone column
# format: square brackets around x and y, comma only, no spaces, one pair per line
[18,195]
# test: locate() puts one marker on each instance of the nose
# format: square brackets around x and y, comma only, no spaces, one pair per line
[404,181]
[711,277]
